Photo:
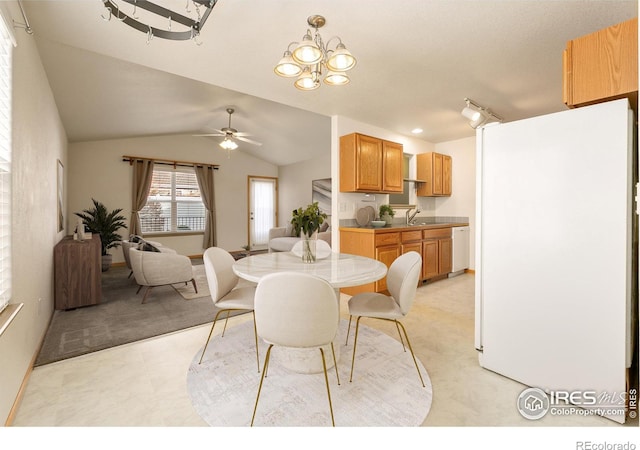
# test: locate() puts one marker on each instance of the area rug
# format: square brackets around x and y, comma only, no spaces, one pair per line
[187,291]
[385,392]
[121,318]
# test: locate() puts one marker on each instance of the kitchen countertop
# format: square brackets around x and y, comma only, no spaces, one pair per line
[403,227]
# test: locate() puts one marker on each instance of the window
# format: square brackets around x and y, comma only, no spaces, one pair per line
[174,204]
[6,49]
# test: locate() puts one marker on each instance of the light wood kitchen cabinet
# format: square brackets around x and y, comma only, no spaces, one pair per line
[433,244]
[437,249]
[369,164]
[602,66]
[435,169]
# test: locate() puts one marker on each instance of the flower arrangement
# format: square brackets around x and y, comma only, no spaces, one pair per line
[305,223]
[307,220]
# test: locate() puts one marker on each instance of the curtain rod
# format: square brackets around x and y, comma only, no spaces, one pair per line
[168,162]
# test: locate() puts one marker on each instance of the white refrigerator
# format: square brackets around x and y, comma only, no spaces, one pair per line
[553,297]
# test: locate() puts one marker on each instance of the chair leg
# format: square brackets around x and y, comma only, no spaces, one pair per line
[355,342]
[412,354]
[130,273]
[195,288]
[210,333]
[225,322]
[264,371]
[146,292]
[326,381]
[346,341]
[255,333]
[138,291]
[335,363]
[400,334]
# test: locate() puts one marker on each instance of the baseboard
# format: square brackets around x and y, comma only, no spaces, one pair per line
[16,404]
[471,271]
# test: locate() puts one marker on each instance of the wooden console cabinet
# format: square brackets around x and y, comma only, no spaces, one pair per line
[78,272]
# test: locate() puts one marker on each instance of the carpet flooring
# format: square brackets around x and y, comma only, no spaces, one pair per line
[385,392]
[121,318]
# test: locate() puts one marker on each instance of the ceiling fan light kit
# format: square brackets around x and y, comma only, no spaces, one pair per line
[230,135]
[311,55]
[479,115]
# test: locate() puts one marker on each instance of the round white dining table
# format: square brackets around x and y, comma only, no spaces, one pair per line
[339,269]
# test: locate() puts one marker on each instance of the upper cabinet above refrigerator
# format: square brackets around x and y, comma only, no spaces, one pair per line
[602,66]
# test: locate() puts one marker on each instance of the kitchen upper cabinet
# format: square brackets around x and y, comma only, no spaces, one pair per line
[602,66]
[369,164]
[435,169]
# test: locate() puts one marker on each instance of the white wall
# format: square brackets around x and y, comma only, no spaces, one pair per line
[96,170]
[463,199]
[39,140]
[294,183]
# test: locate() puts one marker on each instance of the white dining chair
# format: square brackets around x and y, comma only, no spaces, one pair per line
[296,310]
[227,296]
[402,283]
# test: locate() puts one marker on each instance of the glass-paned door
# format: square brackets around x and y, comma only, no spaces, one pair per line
[262,210]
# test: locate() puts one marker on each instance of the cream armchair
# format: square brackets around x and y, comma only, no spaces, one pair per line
[161,268]
[281,239]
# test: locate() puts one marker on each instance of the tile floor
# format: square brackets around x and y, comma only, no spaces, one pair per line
[144,384]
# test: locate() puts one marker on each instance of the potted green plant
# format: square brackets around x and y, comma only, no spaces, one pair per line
[105,223]
[305,224]
[387,213]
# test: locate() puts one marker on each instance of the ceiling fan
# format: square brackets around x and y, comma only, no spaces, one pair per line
[230,134]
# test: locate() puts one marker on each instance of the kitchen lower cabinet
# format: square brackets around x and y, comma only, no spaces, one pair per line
[435,246]
[387,255]
[437,253]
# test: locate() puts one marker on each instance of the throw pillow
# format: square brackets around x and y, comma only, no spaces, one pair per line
[146,247]
[136,239]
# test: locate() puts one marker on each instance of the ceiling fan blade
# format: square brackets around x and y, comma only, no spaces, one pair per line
[240,138]
[241,134]
[210,134]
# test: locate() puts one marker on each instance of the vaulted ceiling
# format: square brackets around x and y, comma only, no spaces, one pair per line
[417,61]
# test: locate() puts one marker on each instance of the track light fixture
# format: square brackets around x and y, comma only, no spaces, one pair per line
[479,115]
[308,58]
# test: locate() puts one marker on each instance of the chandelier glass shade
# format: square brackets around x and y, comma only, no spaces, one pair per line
[311,57]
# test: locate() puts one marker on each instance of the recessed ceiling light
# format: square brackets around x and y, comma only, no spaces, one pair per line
[417,130]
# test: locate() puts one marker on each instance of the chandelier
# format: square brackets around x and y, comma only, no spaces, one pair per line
[311,56]
[187,25]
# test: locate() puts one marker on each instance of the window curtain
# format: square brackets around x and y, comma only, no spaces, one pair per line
[142,175]
[204,174]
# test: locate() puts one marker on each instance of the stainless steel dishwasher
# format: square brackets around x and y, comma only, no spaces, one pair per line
[460,237]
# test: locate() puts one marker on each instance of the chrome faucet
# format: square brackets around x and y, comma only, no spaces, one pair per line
[410,217]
